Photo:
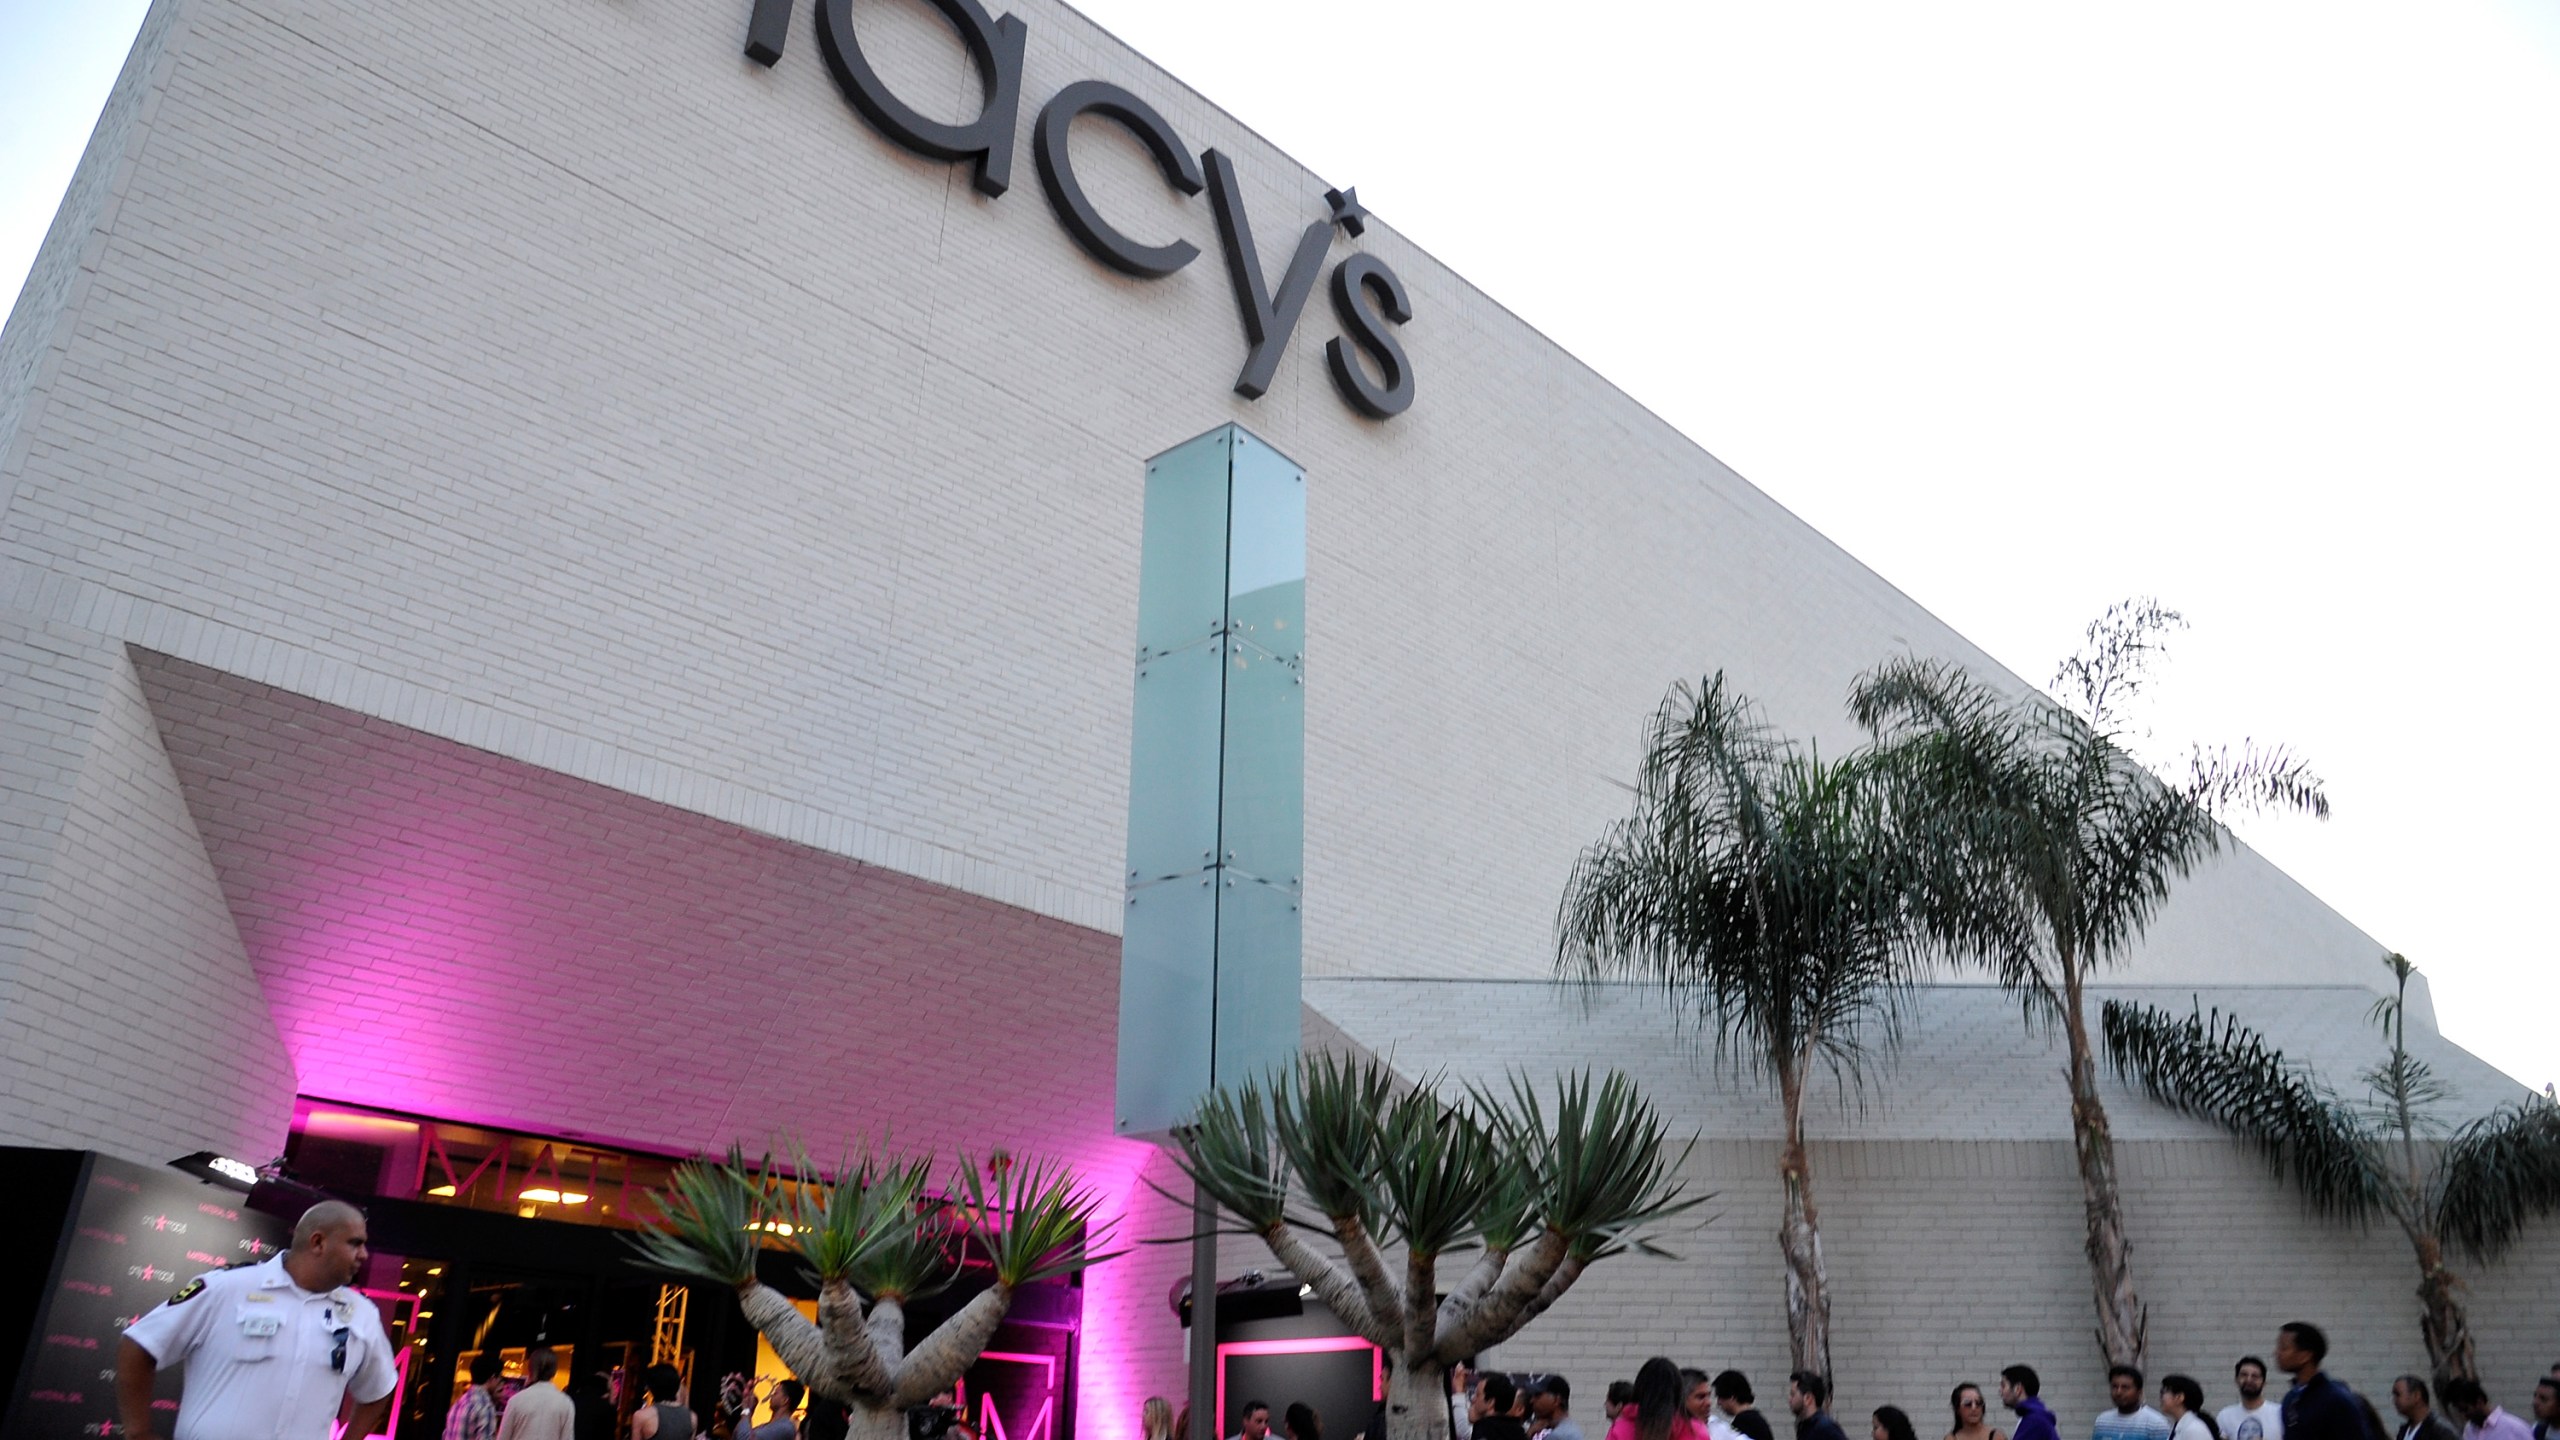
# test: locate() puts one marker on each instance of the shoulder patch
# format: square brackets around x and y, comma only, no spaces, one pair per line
[188,1291]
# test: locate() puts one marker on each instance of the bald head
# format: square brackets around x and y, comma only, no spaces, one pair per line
[322,1218]
[329,1246]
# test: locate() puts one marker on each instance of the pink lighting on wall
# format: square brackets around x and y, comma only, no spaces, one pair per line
[1129,1345]
[1311,1345]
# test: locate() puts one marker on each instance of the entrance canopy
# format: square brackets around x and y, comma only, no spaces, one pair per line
[441,931]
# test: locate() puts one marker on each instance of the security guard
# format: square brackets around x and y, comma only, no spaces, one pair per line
[272,1351]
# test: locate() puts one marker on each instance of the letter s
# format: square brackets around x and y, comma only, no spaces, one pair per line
[1355,280]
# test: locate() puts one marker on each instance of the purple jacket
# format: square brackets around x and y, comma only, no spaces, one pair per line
[2034,1422]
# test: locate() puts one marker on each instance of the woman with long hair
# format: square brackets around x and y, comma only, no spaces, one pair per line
[2182,1400]
[1657,1413]
[1301,1419]
[1972,1416]
[1155,1418]
[1890,1423]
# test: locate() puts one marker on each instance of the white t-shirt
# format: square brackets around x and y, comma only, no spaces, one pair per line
[2239,1422]
[2190,1426]
[2143,1424]
[257,1351]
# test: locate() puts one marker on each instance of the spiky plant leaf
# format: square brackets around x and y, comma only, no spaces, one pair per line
[709,1222]
[844,1229]
[1604,1169]
[1326,1117]
[909,1252]
[2213,1067]
[1034,1221]
[1233,1151]
[1437,1167]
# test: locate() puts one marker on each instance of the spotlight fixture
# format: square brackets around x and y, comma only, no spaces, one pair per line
[220,1170]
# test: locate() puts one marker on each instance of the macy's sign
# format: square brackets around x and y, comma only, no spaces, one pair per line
[1367,297]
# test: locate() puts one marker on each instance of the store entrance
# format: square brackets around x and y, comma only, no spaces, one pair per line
[489,1243]
[495,1287]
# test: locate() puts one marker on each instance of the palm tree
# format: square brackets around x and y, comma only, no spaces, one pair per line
[1760,884]
[1340,1146]
[2050,847]
[876,1239]
[2475,1186]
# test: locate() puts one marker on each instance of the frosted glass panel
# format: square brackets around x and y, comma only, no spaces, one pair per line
[1209,980]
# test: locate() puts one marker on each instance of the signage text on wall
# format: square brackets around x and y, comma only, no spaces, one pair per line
[1367,297]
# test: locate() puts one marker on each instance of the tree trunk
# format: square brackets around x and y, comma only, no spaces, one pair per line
[2122,1321]
[801,1345]
[866,1420]
[2441,1318]
[952,1348]
[1800,1243]
[1417,1405]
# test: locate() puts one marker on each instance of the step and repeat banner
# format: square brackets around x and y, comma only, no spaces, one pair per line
[135,1235]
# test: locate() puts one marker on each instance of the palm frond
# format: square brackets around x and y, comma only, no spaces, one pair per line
[2113,663]
[2215,1068]
[1758,885]
[2498,1173]
[2254,777]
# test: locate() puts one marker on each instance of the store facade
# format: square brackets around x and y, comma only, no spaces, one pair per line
[572,574]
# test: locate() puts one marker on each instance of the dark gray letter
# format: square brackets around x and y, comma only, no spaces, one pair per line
[1058,175]
[1269,319]
[1354,281]
[997,47]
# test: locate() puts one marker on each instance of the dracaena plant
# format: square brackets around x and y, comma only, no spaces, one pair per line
[875,1238]
[1537,1185]
[2471,1186]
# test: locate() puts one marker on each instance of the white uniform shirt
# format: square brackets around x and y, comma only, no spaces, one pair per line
[256,1348]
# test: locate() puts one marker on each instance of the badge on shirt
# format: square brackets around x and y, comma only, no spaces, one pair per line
[260,1327]
[188,1291]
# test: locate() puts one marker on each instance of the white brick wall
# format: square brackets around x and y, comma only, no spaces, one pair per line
[131,1019]
[560,382]
[1949,1260]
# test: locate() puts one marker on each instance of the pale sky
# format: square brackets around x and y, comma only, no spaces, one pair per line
[2252,307]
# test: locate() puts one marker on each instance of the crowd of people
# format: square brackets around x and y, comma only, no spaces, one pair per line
[227,1328]
[1668,1402]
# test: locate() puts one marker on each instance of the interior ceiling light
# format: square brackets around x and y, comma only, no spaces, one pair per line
[445,1191]
[548,1196]
[219,1170]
